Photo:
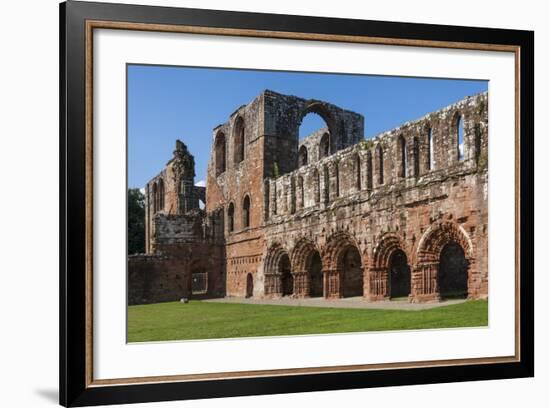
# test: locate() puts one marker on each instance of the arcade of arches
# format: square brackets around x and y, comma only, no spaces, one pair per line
[438,267]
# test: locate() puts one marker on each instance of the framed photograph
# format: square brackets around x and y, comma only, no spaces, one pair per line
[256,204]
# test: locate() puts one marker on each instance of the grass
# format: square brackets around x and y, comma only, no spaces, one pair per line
[202,320]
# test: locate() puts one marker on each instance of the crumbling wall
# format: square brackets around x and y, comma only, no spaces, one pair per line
[166,275]
[412,189]
[340,199]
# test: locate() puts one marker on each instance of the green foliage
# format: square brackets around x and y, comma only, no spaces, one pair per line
[136,221]
[482,162]
[205,320]
[276,173]
[366,144]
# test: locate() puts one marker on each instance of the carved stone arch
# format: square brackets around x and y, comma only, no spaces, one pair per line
[274,275]
[428,256]
[343,266]
[383,250]
[437,236]
[379,276]
[323,110]
[307,269]
[301,253]
[334,246]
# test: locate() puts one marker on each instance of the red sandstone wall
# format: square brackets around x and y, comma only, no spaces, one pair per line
[422,202]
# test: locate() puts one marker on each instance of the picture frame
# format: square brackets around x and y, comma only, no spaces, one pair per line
[78,385]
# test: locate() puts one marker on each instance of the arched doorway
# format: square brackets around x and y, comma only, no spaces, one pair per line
[249,285]
[453,272]
[350,266]
[445,259]
[287,281]
[400,275]
[315,275]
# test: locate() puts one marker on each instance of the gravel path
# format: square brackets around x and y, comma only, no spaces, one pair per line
[350,303]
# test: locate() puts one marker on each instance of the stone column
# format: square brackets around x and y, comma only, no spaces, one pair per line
[424,285]
[332,283]
[301,284]
[377,284]
[273,286]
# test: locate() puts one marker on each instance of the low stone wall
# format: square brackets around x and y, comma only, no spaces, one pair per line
[167,275]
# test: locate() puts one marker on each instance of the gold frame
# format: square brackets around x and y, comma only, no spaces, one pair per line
[99,24]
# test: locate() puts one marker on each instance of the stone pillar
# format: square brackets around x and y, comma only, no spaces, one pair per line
[300,196]
[333,182]
[377,284]
[301,284]
[273,286]
[332,283]
[325,186]
[424,285]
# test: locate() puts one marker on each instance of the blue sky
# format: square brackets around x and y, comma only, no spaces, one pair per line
[169,103]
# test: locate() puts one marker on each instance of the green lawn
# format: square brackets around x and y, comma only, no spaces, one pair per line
[202,320]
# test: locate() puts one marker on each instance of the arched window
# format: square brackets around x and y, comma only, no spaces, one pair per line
[155,198]
[301,192]
[416,157]
[358,172]
[238,137]
[430,155]
[380,153]
[246,212]
[316,186]
[460,137]
[324,146]
[302,156]
[326,184]
[161,195]
[219,147]
[369,170]
[231,217]
[403,156]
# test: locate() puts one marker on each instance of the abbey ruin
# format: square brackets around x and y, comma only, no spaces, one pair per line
[402,215]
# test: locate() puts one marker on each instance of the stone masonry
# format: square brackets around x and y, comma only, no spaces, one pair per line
[401,215]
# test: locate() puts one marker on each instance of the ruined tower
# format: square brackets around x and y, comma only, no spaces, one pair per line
[183,165]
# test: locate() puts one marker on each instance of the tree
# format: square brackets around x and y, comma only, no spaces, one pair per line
[136,221]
